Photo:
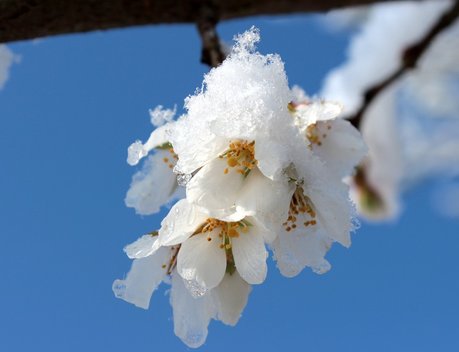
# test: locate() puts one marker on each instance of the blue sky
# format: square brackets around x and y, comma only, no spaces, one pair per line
[68,113]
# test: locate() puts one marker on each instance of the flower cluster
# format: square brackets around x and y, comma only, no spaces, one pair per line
[261,166]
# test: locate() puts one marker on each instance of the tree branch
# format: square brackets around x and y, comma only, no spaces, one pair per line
[27,19]
[410,59]
[213,52]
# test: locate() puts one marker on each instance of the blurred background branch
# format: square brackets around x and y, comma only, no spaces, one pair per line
[410,58]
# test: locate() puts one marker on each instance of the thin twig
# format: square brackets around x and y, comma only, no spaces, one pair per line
[212,53]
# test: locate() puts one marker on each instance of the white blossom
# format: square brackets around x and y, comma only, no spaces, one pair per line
[191,314]
[210,247]
[334,140]
[155,184]
[260,169]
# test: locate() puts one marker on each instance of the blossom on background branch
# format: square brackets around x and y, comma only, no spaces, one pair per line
[410,59]
[401,62]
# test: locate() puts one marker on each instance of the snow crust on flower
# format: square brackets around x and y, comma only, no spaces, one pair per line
[159,116]
[245,98]
[6,60]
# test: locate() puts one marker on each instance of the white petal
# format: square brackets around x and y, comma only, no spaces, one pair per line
[153,186]
[214,190]
[191,315]
[143,278]
[159,136]
[299,248]
[311,112]
[180,223]
[231,298]
[197,151]
[201,260]
[272,157]
[267,200]
[250,255]
[342,148]
[143,247]
[334,213]
[330,198]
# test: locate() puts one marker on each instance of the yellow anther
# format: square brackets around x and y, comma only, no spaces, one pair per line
[232,162]
[233,233]
[300,207]
[242,154]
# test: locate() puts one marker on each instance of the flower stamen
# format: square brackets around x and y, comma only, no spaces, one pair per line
[240,156]
[300,205]
[314,135]
[172,160]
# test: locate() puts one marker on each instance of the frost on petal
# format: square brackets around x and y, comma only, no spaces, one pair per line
[143,278]
[250,255]
[201,259]
[230,298]
[180,223]
[191,315]
[154,185]
[294,250]
[214,189]
[6,60]
[143,247]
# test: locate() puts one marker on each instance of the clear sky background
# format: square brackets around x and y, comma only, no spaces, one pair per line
[68,113]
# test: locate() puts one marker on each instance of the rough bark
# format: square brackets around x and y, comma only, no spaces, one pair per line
[27,19]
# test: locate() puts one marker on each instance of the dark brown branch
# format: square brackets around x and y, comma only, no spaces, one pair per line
[213,52]
[410,59]
[27,19]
